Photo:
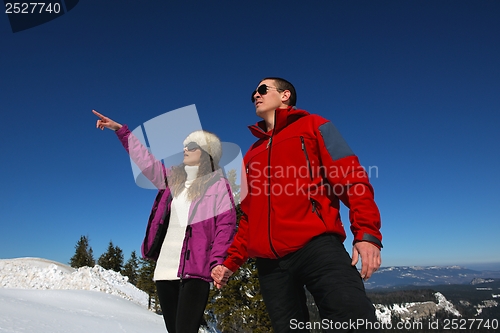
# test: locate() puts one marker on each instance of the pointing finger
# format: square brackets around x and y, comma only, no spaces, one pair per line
[98,114]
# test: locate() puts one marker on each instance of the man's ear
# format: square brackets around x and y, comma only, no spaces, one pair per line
[285,98]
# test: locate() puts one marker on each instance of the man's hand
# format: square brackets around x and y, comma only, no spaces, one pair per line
[370,258]
[220,274]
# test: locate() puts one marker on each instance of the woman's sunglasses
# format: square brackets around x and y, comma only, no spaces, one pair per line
[262,90]
[192,146]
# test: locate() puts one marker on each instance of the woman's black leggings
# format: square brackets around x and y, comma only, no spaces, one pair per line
[183,303]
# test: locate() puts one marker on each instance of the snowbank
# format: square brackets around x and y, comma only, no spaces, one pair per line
[36,273]
[43,296]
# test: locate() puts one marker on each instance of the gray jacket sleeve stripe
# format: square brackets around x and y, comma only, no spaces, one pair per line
[335,144]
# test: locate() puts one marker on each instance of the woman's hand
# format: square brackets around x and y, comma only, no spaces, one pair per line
[220,275]
[105,122]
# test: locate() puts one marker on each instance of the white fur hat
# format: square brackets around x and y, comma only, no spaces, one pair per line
[208,141]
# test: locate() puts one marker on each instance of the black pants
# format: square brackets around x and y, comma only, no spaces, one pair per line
[183,304]
[324,267]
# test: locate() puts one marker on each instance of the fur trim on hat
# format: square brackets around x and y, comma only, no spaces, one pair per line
[208,141]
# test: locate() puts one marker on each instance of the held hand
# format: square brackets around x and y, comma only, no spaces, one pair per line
[220,274]
[370,258]
[105,122]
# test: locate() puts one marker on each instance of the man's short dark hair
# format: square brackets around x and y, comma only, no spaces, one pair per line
[283,84]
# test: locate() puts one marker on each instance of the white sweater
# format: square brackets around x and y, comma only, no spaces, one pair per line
[168,261]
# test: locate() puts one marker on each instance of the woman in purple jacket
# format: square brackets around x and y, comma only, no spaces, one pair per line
[191,225]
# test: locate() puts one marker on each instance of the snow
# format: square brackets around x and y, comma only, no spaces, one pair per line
[445,304]
[413,309]
[43,296]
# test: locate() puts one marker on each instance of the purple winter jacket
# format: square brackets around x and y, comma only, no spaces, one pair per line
[212,217]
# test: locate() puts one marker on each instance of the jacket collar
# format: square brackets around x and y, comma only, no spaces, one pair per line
[282,118]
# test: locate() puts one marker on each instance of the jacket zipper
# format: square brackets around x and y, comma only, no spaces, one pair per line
[269,146]
[313,202]
[307,157]
[188,252]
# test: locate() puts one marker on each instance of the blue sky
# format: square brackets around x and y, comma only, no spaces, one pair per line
[413,86]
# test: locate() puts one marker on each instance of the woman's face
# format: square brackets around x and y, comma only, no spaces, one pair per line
[192,155]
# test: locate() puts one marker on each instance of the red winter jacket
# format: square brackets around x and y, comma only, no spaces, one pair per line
[295,176]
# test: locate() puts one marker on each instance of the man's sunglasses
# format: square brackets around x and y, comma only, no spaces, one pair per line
[262,90]
[192,146]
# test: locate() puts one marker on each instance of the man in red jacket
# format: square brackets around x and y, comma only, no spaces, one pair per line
[297,172]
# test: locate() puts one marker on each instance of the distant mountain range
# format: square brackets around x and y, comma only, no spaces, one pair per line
[389,277]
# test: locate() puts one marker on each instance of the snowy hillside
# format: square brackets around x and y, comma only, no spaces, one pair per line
[42,296]
[414,310]
[387,277]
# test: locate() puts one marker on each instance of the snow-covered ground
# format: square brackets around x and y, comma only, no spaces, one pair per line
[43,296]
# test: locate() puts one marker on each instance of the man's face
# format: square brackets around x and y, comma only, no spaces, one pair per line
[269,101]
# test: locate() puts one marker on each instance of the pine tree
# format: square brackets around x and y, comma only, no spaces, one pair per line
[91,257]
[131,269]
[83,254]
[313,311]
[235,188]
[145,282]
[238,306]
[112,258]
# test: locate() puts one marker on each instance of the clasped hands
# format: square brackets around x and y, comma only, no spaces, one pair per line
[221,274]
